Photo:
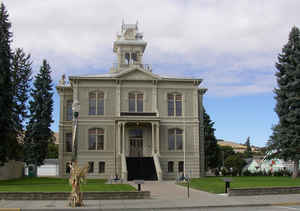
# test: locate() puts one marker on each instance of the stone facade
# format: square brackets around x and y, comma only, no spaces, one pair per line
[132,112]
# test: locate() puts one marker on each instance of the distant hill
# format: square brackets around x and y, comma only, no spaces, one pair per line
[236,147]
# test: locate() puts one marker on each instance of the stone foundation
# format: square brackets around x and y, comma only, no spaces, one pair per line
[65,195]
[263,191]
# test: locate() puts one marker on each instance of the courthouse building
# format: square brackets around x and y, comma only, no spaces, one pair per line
[132,122]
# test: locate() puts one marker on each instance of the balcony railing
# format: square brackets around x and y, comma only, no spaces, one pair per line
[138,114]
[117,66]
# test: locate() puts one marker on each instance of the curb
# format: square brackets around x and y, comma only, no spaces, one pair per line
[156,208]
[286,204]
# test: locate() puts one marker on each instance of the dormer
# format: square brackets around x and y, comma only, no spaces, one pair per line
[129,48]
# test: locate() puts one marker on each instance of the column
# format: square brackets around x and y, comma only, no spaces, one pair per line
[154,97]
[157,138]
[123,138]
[152,124]
[118,100]
[119,137]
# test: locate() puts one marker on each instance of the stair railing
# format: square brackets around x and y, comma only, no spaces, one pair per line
[123,167]
[157,166]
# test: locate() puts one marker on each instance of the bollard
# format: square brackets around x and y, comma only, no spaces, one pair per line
[139,183]
[227,183]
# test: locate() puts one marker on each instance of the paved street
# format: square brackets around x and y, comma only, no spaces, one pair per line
[270,208]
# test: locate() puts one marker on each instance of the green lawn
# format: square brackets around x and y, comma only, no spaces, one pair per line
[45,184]
[217,185]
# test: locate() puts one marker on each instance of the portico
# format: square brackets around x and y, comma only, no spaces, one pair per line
[124,127]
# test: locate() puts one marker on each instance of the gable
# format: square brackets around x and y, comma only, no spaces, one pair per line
[137,74]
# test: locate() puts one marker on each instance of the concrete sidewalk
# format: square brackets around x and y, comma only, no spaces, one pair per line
[164,195]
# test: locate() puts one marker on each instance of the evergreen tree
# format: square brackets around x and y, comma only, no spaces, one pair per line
[21,78]
[52,150]
[248,151]
[21,70]
[6,92]
[285,140]
[212,149]
[38,133]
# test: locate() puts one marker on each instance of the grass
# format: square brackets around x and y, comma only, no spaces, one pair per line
[217,185]
[45,184]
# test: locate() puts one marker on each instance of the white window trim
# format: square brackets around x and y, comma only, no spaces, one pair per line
[97,92]
[175,148]
[174,102]
[104,135]
[135,100]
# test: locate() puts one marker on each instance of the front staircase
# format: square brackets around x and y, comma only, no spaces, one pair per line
[141,168]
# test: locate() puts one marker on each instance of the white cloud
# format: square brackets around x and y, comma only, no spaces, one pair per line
[232,45]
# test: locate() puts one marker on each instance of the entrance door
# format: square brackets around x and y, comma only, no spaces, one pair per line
[136,148]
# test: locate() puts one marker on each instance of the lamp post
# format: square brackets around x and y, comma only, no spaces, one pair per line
[76,109]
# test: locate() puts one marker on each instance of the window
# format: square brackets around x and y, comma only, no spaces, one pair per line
[96,139]
[170,166]
[135,102]
[96,103]
[69,110]
[91,167]
[68,142]
[101,167]
[68,169]
[174,105]
[175,141]
[136,133]
[180,166]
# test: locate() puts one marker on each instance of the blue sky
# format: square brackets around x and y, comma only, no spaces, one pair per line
[232,45]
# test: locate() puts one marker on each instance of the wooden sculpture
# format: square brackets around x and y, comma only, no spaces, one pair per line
[77,176]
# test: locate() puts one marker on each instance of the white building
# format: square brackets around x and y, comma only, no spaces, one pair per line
[132,122]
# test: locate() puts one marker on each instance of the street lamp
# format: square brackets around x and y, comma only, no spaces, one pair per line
[76,109]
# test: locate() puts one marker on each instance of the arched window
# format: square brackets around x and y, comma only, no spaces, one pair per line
[175,140]
[135,102]
[174,104]
[69,110]
[96,103]
[96,139]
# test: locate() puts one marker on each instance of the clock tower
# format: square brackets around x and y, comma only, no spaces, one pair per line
[129,48]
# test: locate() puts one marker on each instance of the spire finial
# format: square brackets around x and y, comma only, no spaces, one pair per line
[122,27]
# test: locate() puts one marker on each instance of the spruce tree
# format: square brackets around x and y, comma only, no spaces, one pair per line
[21,78]
[6,92]
[285,140]
[21,74]
[38,133]
[212,149]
